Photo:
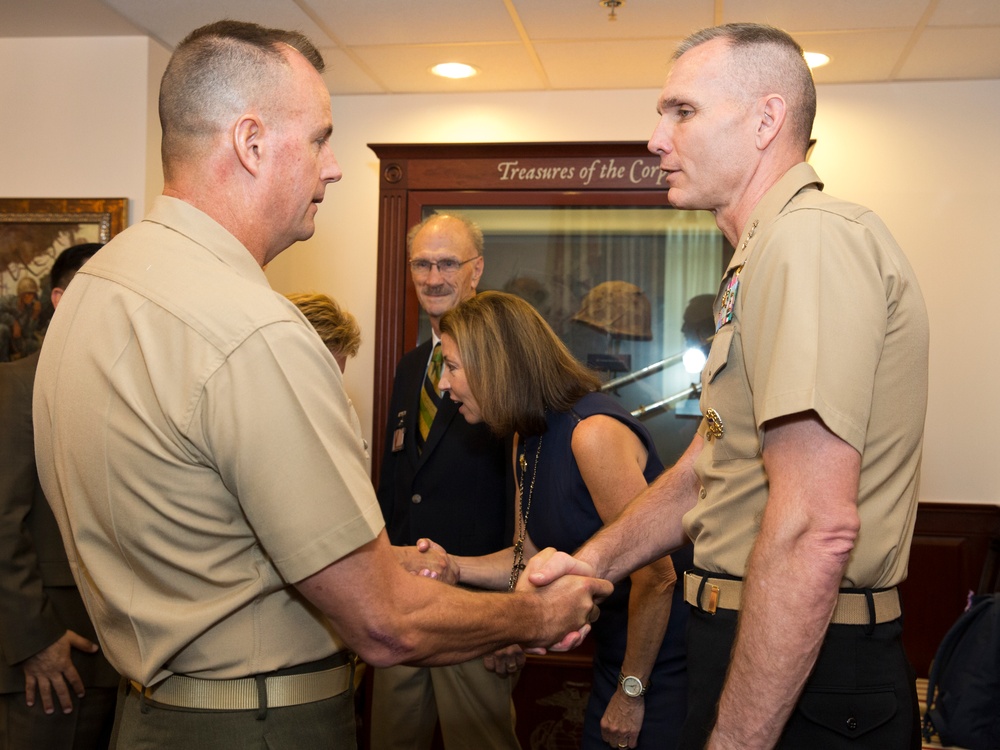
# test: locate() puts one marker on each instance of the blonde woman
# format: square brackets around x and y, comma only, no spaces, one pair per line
[337,327]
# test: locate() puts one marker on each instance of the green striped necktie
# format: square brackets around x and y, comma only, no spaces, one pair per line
[430,396]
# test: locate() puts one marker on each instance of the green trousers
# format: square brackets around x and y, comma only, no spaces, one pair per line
[144,725]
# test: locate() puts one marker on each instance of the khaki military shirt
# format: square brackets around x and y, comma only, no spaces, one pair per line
[195,441]
[818,311]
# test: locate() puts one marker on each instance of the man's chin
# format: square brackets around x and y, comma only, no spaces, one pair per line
[675,198]
[436,306]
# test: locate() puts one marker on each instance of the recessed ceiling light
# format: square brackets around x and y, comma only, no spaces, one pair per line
[816,59]
[454,70]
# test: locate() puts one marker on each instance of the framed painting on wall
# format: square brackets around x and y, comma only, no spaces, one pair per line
[33,231]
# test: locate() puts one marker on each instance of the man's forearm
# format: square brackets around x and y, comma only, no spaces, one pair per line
[792,579]
[390,617]
[786,607]
[650,526]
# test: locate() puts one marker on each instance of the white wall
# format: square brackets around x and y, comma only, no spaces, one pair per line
[76,120]
[926,157]
[73,118]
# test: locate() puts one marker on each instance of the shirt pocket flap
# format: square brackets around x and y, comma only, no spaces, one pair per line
[718,355]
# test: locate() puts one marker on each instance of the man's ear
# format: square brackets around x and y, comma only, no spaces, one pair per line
[55,296]
[772,119]
[248,142]
[477,270]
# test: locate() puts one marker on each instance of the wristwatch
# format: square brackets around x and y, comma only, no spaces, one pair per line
[632,686]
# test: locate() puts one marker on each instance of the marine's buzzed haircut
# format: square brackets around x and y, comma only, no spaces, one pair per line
[766,60]
[215,72]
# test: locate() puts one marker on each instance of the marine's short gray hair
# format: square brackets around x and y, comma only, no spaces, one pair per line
[766,60]
[217,70]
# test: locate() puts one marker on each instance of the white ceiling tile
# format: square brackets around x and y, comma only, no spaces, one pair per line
[50,18]
[624,64]
[857,57]
[828,15]
[172,20]
[406,69]
[966,13]
[378,22]
[344,76]
[636,19]
[943,54]
[378,46]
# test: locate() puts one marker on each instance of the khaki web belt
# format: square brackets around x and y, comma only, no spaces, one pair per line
[852,607]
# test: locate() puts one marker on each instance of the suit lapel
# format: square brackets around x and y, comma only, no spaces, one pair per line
[446,412]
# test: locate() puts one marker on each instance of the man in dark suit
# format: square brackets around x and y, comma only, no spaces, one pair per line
[47,643]
[442,479]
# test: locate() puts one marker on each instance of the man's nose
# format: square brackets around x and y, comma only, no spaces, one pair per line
[435,273]
[331,169]
[660,142]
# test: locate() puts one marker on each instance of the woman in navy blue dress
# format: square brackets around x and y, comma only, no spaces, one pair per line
[579,457]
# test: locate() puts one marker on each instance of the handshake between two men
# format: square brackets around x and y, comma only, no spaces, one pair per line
[493,572]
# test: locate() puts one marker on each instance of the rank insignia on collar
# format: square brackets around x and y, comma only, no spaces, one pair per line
[715,427]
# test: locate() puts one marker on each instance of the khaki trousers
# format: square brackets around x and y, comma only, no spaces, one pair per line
[473,705]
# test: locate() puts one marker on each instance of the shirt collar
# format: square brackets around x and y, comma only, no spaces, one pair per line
[180,216]
[796,179]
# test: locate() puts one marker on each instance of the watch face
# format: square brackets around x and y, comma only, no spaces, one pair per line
[632,686]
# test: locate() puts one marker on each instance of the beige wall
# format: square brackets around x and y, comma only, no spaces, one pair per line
[75,121]
[75,118]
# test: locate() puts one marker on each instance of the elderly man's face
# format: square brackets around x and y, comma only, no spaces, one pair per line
[439,292]
[705,136]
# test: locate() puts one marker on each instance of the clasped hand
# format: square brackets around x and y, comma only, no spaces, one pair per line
[428,559]
[545,568]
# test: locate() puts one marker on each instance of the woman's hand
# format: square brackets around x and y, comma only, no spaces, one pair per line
[622,720]
[429,559]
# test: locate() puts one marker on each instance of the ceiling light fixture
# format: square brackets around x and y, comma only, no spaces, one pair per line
[454,70]
[816,59]
[611,5]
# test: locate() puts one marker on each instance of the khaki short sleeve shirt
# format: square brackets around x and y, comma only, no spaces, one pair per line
[818,311]
[200,454]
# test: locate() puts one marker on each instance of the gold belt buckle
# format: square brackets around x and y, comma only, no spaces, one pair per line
[713,598]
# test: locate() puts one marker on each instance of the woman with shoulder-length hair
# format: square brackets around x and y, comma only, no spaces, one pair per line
[579,457]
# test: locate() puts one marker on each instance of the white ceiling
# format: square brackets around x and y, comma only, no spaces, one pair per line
[387,46]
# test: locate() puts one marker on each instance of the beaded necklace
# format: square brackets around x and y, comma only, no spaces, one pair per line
[522,516]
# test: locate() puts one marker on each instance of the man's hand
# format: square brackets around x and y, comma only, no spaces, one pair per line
[52,668]
[428,559]
[505,661]
[556,574]
[548,565]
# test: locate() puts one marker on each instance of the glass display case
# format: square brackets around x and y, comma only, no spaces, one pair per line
[585,234]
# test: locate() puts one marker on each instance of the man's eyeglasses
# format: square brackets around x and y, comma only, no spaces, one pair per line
[445,266]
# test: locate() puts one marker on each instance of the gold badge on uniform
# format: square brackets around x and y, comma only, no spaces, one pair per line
[715,426]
